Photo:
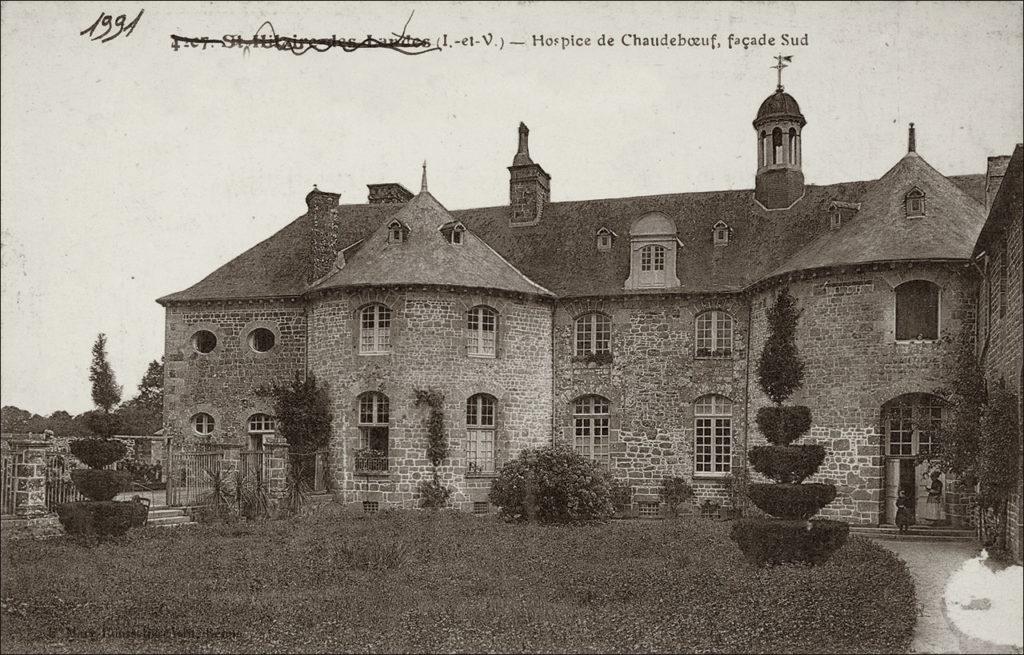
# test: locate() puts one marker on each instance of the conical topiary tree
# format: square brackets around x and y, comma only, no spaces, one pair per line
[788,535]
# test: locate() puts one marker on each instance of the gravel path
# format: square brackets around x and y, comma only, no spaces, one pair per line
[931,564]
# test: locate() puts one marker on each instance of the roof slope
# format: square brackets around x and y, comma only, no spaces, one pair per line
[560,252]
[426,256]
[881,231]
[1006,206]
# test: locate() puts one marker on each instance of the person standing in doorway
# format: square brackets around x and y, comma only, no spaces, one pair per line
[933,506]
[903,504]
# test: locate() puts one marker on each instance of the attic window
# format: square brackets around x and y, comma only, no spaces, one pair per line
[604,239]
[721,233]
[915,203]
[454,233]
[397,232]
[835,218]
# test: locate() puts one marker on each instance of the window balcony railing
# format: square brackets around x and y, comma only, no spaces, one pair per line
[481,467]
[717,353]
[371,461]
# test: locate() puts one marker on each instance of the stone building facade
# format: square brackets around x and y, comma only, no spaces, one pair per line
[626,327]
[1000,336]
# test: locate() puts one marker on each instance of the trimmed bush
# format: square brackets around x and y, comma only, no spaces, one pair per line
[101,518]
[674,492]
[100,484]
[97,453]
[791,501]
[553,484]
[783,425]
[786,463]
[780,541]
[434,494]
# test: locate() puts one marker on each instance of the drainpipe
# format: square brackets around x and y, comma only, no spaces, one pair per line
[746,390]
[554,309]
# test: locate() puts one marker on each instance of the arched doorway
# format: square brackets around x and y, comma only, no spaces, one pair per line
[911,425]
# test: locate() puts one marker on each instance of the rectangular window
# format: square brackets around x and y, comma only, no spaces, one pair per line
[713,444]
[480,451]
[481,507]
[648,510]
[592,432]
[371,506]
[375,330]
[481,332]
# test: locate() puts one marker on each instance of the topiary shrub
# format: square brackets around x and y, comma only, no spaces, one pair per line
[786,463]
[787,536]
[553,484]
[100,484]
[791,501]
[780,541]
[97,453]
[782,425]
[675,491]
[109,518]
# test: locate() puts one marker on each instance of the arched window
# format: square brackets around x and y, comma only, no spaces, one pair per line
[792,146]
[766,149]
[917,311]
[591,428]
[712,435]
[373,432]
[913,423]
[777,154]
[714,334]
[720,233]
[914,203]
[593,334]
[652,258]
[481,421]
[258,426]
[202,423]
[374,330]
[481,332]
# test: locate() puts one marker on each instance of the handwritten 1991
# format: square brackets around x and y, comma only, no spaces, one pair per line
[109,22]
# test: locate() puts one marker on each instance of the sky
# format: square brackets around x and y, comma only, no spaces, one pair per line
[131,170]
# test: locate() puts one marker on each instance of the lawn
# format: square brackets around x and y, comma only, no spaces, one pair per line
[421,581]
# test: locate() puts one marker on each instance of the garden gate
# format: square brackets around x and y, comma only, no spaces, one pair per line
[193,477]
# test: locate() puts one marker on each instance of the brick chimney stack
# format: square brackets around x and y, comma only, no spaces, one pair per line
[322,210]
[529,185]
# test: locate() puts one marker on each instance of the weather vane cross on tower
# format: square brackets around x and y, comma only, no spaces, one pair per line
[779,66]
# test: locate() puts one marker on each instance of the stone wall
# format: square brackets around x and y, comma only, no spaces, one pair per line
[846,337]
[428,351]
[652,382]
[999,337]
[223,382]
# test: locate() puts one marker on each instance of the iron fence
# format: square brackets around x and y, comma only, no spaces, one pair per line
[195,478]
[8,481]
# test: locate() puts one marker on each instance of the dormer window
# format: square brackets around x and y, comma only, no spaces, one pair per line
[652,253]
[397,232]
[835,218]
[915,203]
[604,239]
[454,233]
[840,212]
[721,233]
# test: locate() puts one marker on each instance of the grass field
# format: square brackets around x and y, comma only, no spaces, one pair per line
[421,581]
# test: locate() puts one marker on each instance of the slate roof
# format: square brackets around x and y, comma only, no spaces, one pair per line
[560,253]
[881,230]
[426,257]
[779,103]
[1006,206]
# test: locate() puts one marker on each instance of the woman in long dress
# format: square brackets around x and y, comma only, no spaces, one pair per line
[933,506]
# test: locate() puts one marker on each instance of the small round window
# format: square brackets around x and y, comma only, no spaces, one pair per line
[261,340]
[202,423]
[204,341]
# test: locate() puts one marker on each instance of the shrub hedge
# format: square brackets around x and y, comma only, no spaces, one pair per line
[553,484]
[447,582]
[100,484]
[109,518]
[777,541]
[97,453]
[791,501]
[786,463]
[783,425]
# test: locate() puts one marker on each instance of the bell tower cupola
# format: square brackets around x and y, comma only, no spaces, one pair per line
[780,180]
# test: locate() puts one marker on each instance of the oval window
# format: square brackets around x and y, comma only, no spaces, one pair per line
[204,341]
[261,340]
[202,423]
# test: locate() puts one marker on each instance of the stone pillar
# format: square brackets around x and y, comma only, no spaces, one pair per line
[30,478]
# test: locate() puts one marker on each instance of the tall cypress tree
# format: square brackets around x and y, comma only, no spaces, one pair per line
[106,393]
[780,371]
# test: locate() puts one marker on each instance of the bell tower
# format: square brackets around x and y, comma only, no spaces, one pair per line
[780,180]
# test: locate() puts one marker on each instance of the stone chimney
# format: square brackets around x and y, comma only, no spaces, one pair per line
[322,210]
[911,139]
[529,186]
[388,193]
[994,177]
